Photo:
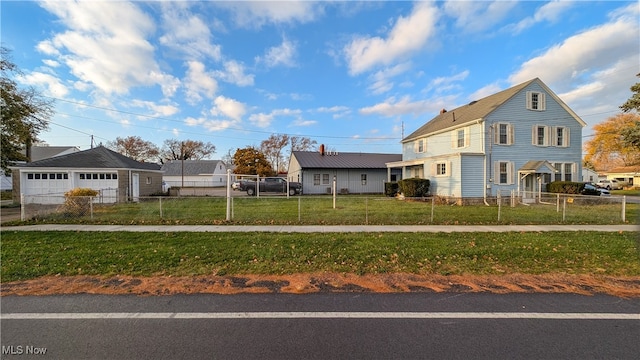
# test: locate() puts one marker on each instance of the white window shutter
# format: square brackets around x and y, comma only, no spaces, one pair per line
[454,139]
[542,101]
[547,135]
[528,102]
[496,133]
[534,135]
[510,172]
[467,137]
[496,172]
[511,134]
[567,139]
[415,146]
[434,169]
[448,169]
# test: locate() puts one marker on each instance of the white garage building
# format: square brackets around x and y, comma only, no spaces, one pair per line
[116,177]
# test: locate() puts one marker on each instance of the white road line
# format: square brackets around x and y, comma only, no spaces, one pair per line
[320,315]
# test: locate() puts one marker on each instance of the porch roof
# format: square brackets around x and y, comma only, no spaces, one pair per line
[535,166]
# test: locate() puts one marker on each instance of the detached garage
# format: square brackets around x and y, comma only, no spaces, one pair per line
[116,177]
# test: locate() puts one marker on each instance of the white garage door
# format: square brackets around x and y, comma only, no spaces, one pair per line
[46,188]
[105,183]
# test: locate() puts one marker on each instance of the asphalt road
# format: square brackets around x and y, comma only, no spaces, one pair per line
[321,326]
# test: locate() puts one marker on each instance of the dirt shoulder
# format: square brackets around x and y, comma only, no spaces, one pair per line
[326,282]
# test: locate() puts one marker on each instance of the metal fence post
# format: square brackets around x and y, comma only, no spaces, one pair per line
[160,200]
[91,207]
[624,208]
[499,204]
[433,202]
[23,215]
[366,211]
[564,208]
[299,208]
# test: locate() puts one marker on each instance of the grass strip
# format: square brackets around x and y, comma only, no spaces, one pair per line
[28,255]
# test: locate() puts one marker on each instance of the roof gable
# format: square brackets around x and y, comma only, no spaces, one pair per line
[480,109]
[96,158]
[191,167]
[344,160]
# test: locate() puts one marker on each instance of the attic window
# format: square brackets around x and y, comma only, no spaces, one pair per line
[536,101]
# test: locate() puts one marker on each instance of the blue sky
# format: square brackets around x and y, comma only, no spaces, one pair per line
[354,76]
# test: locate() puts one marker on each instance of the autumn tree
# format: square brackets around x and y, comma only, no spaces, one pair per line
[631,135]
[24,114]
[135,148]
[186,150]
[606,149]
[272,149]
[251,161]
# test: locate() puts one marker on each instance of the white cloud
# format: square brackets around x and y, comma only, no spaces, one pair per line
[156,109]
[52,85]
[228,107]
[475,16]
[279,55]
[105,45]
[234,72]
[550,12]
[187,33]
[255,14]
[303,123]
[444,84]
[594,69]
[199,82]
[381,80]
[405,106]
[263,120]
[408,35]
[51,63]
[211,125]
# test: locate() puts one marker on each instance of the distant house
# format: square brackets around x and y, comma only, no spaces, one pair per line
[589,175]
[116,177]
[518,139]
[37,152]
[355,173]
[195,173]
[628,175]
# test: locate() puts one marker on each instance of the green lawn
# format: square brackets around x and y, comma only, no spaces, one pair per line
[27,255]
[349,210]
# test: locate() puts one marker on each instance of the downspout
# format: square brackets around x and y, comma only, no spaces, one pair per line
[484,190]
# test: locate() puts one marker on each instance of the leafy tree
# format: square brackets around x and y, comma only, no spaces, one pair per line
[24,114]
[186,150]
[606,149]
[272,149]
[251,161]
[135,148]
[634,101]
[631,135]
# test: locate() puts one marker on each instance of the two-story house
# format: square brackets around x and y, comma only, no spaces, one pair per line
[518,139]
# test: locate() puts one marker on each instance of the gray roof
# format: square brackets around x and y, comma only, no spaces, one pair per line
[96,158]
[476,110]
[45,152]
[191,167]
[344,160]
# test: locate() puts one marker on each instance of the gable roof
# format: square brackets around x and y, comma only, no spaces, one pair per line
[96,158]
[480,109]
[45,152]
[191,167]
[632,169]
[346,160]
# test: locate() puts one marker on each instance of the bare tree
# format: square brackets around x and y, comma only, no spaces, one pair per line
[135,148]
[186,150]
[300,143]
[272,149]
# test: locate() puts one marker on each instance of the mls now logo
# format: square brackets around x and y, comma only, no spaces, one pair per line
[23,350]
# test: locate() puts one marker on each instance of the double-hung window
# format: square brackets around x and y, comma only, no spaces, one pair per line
[316,179]
[460,138]
[420,146]
[504,134]
[561,136]
[540,135]
[536,101]
[503,172]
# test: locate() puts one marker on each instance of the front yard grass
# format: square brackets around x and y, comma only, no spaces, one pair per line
[349,210]
[28,255]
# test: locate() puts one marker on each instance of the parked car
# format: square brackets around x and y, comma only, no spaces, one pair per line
[609,184]
[271,184]
[591,189]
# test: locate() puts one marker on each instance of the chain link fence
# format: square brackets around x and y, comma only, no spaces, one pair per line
[507,208]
